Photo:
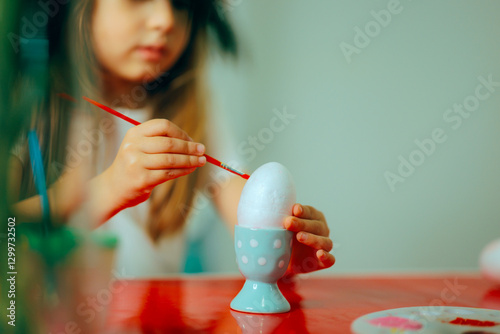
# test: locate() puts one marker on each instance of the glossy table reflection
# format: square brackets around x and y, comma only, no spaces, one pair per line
[319,304]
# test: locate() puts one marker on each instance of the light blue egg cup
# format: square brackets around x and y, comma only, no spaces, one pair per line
[262,256]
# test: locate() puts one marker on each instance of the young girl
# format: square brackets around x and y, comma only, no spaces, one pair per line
[145,59]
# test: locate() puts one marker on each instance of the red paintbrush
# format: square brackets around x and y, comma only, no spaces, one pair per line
[134,122]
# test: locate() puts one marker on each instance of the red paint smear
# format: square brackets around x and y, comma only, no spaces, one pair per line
[396,322]
[472,322]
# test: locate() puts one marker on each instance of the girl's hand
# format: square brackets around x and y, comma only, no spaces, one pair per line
[150,154]
[311,243]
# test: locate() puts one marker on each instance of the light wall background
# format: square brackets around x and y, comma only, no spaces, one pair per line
[353,121]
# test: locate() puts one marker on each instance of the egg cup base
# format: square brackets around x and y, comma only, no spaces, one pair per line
[260,297]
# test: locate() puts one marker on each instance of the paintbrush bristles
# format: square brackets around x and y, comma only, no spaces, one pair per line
[226,167]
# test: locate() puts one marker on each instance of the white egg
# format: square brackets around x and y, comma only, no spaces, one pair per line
[267,198]
[489,261]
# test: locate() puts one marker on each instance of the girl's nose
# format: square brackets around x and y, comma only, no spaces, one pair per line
[161,16]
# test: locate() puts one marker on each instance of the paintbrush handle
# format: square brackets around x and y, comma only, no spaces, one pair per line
[112,111]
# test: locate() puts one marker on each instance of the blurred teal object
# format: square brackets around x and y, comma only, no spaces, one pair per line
[104,239]
[54,247]
[194,263]
[39,176]
[263,256]
[51,246]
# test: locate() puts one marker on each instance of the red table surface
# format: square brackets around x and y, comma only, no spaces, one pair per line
[319,304]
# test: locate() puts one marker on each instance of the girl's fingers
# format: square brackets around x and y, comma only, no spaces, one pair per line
[312,226]
[315,241]
[307,212]
[326,260]
[162,127]
[172,161]
[156,177]
[160,144]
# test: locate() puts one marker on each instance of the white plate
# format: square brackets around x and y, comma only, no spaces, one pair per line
[427,319]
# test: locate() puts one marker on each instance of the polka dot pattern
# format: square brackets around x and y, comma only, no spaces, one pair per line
[262,253]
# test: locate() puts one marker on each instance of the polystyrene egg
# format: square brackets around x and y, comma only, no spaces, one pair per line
[489,261]
[267,198]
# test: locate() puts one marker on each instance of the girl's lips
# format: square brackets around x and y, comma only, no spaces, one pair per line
[151,53]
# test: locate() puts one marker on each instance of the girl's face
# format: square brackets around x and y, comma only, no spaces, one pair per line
[137,40]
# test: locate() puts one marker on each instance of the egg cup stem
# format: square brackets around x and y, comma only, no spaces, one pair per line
[260,297]
[262,256]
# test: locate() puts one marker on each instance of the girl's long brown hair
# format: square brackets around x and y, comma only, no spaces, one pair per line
[178,96]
